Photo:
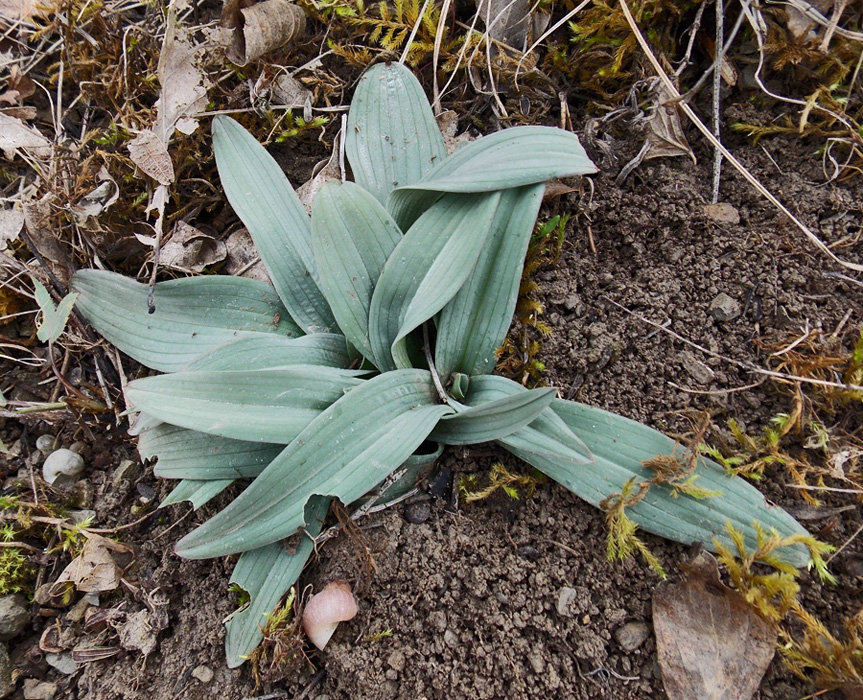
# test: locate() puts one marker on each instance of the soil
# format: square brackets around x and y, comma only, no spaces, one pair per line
[475,601]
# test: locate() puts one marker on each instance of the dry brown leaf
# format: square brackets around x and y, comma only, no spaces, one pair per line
[191,250]
[665,134]
[289,92]
[184,86]
[183,93]
[95,202]
[711,644]
[243,258]
[15,134]
[16,10]
[11,223]
[261,28]
[94,569]
[150,154]
[322,173]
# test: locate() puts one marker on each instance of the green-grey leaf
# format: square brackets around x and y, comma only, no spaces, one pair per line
[620,445]
[392,136]
[352,235]
[492,420]
[193,315]
[189,454]
[522,155]
[546,436]
[267,351]
[53,318]
[263,198]
[266,574]
[344,452]
[473,325]
[262,405]
[426,269]
[197,492]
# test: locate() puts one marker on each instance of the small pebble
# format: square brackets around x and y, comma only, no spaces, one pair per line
[127,471]
[450,638]
[14,617]
[700,373]
[396,661]
[6,684]
[146,494]
[39,690]
[724,308]
[417,513]
[528,552]
[722,213]
[565,598]
[441,483]
[45,444]
[64,662]
[81,448]
[203,673]
[81,516]
[631,635]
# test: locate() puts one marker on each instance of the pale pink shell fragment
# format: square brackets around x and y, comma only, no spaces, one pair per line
[325,610]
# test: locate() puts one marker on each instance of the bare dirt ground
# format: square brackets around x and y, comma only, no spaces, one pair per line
[504,598]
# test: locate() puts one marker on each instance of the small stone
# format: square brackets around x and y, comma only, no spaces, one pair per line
[631,635]
[6,684]
[565,598]
[700,373]
[39,690]
[62,461]
[45,444]
[203,673]
[64,662]
[417,513]
[572,302]
[528,552]
[536,660]
[127,471]
[450,638]
[14,617]
[441,483]
[76,612]
[722,213]
[396,661]
[724,308]
[78,517]
[81,448]
[146,494]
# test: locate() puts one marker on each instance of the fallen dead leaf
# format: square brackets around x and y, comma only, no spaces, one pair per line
[16,10]
[98,200]
[323,172]
[287,91]
[191,250]
[243,258]
[711,644]
[183,93]
[665,133]
[94,569]
[261,28]
[11,223]
[15,134]
[150,154]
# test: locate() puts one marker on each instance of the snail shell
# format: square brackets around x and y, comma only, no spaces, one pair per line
[325,610]
[62,461]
